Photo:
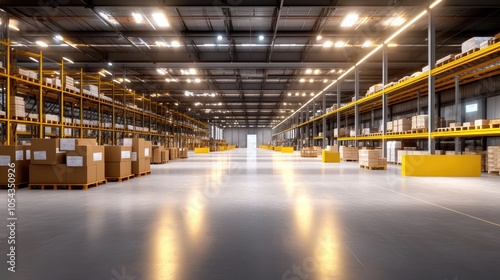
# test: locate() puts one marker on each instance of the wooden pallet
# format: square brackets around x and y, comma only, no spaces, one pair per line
[373,167]
[143,173]
[458,56]
[444,62]
[495,125]
[468,127]
[3,70]
[51,122]
[350,160]
[27,78]
[120,179]
[157,163]
[418,130]
[16,186]
[482,126]
[493,173]
[443,129]
[66,186]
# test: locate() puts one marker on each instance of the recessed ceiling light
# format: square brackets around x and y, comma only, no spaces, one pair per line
[219,37]
[303,94]
[289,94]
[325,81]
[42,44]
[261,37]
[189,80]
[319,37]
[308,71]
[110,63]
[297,94]
[350,20]
[340,44]
[312,94]
[161,20]
[332,71]
[176,44]
[167,80]
[302,80]
[328,44]
[138,17]
[311,80]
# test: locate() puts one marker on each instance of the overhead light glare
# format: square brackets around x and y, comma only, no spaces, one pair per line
[408,24]
[102,74]
[68,60]
[328,44]
[161,44]
[397,21]
[138,17]
[59,37]
[219,37]
[308,71]
[192,71]
[107,72]
[35,60]
[42,44]
[350,20]
[340,44]
[367,44]
[319,37]
[434,4]
[161,20]
[261,38]
[116,81]
[161,71]
[302,80]
[176,44]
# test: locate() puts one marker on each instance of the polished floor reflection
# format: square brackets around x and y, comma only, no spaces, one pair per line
[257,214]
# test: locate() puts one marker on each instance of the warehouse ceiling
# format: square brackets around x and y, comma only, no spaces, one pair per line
[238,62]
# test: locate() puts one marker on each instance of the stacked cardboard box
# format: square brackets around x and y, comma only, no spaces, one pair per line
[333,148]
[141,152]
[481,122]
[69,83]
[308,152]
[159,155]
[47,164]
[392,151]
[420,122]
[402,125]
[473,43]
[174,152]
[366,131]
[183,152]
[28,73]
[342,132]
[349,153]
[372,158]
[18,155]
[91,90]
[50,118]
[494,159]
[85,164]
[17,106]
[52,81]
[118,161]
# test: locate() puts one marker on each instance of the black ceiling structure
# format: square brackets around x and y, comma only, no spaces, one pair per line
[239,62]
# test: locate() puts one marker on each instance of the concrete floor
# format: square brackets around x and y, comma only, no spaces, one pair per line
[246,214]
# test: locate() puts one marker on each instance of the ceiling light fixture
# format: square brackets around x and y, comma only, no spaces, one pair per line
[176,44]
[35,60]
[289,94]
[308,71]
[197,81]
[219,37]
[311,80]
[349,20]
[138,17]
[340,44]
[102,74]
[107,72]
[116,81]
[161,20]
[319,37]
[261,38]
[192,71]
[367,44]
[327,44]
[297,94]
[59,37]
[161,44]
[42,44]
[110,64]
[161,71]
[397,21]
[317,72]
[68,60]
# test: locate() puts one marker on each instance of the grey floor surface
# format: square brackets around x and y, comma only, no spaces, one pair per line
[257,214]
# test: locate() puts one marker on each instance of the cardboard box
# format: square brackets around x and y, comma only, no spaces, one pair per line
[164,156]
[140,166]
[13,154]
[101,171]
[46,151]
[47,174]
[85,156]
[156,154]
[183,153]
[118,169]
[81,175]
[138,147]
[117,153]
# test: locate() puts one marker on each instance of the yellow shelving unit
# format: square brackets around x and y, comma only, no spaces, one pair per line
[478,65]
[110,114]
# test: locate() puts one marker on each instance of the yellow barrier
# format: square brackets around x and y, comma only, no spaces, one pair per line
[277,148]
[201,150]
[441,165]
[287,150]
[223,148]
[328,156]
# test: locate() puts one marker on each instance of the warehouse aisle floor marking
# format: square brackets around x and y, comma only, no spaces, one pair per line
[443,207]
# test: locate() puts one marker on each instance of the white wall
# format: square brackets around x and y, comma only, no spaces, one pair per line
[238,136]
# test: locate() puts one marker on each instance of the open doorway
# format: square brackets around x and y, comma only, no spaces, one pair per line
[251,141]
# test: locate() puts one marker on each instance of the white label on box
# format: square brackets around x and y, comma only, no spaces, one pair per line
[74,161]
[125,154]
[134,156]
[28,154]
[4,160]
[67,144]
[40,155]
[20,155]
[127,142]
[97,156]
[146,152]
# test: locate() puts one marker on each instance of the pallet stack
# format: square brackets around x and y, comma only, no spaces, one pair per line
[342,132]
[308,152]
[118,160]
[494,160]
[372,159]
[420,122]
[48,163]
[141,152]
[349,153]
[85,161]
[160,155]
[183,152]
[17,106]
[392,151]
[18,155]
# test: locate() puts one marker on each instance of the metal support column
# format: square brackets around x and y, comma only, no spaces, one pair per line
[314,130]
[323,111]
[431,80]
[385,71]
[458,113]
[338,112]
[356,107]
